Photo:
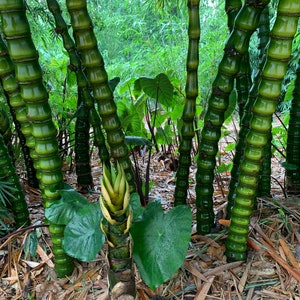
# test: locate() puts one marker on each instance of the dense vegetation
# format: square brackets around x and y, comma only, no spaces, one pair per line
[131,74]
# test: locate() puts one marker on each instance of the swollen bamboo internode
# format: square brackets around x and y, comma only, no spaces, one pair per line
[188,115]
[28,73]
[92,59]
[236,46]
[279,52]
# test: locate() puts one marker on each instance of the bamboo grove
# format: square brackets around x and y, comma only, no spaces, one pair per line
[258,95]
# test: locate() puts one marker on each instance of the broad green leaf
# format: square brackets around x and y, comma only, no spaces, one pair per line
[83,238]
[135,204]
[289,92]
[63,210]
[159,88]
[30,244]
[137,141]
[160,242]
[223,168]
[126,86]
[289,166]
[230,146]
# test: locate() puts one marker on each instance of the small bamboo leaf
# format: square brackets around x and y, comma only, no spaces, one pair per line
[63,210]
[160,242]
[83,238]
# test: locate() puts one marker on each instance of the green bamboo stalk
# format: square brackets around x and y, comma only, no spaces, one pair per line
[82,83]
[232,7]
[18,110]
[243,77]
[5,131]
[263,34]
[17,202]
[82,145]
[188,115]
[236,46]
[293,140]
[264,183]
[279,52]
[28,73]
[86,44]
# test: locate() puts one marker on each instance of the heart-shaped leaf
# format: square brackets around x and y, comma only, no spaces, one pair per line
[137,141]
[83,237]
[160,242]
[63,210]
[159,88]
[135,204]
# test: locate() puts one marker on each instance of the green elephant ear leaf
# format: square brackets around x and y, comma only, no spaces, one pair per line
[83,238]
[160,242]
[63,210]
[159,88]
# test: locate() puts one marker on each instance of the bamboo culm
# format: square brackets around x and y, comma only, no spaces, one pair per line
[263,34]
[236,46]
[278,55]
[86,44]
[293,139]
[28,73]
[188,115]
[18,111]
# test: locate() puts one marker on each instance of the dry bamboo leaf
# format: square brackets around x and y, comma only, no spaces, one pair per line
[194,271]
[31,264]
[45,258]
[224,222]
[222,268]
[244,277]
[282,254]
[251,290]
[284,264]
[289,253]
[202,293]
[205,239]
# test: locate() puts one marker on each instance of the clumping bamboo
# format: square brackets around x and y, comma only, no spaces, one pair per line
[232,7]
[191,91]
[82,83]
[18,111]
[28,73]
[92,59]
[293,140]
[236,46]
[263,35]
[278,55]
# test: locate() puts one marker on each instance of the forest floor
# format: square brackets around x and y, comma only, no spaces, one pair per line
[272,269]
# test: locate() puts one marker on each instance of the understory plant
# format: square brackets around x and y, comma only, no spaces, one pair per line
[12,195]
[132,232]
